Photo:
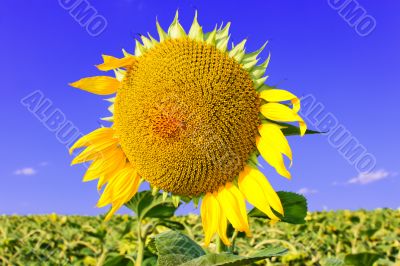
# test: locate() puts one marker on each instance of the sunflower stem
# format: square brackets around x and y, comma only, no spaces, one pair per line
[140,250]
[220,245]
[233,241]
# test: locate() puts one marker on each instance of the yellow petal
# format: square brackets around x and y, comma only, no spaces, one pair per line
[272,156]
[276,95]
[96,151]
[222,227]
[121,187]
[280,112]
[92,137]
[213,219]
[111,62]
[106,196]
[110,214]
[94,171]
[113,165]
[208,212]
[259,192]
[105,165]
[124,190]
[234,207]
[101,85]
[272,134]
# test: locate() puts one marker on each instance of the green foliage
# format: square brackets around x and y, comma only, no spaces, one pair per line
[118,260]
[144,204]
[294,207]
[362,259]
[327,237]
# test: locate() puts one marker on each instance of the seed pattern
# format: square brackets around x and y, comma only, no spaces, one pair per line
[187,116]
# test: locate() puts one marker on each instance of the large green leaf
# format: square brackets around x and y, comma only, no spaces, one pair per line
[294,207]
[362,259]
[234,260]
[144,204]
[174,248]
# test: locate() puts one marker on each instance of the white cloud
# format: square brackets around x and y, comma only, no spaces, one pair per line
[25,171]
[306,191]
[366,178]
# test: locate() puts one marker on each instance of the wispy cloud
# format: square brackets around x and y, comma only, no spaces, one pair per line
[366,178]
[25,171]
[307,191]
[44,163]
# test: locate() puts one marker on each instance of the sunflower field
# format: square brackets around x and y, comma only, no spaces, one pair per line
[328,238]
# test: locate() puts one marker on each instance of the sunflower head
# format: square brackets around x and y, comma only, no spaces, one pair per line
[187,115]
[190,116]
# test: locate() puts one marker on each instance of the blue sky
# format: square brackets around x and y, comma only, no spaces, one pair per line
[314,52]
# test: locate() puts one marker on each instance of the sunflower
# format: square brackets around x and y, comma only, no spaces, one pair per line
[190,117]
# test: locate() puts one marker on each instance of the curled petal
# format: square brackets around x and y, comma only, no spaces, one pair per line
[111,62]
[276,95]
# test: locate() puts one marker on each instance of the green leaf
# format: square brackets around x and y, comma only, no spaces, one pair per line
[294,207]
[144,204]
[174,248]
[362,259]
[152,261]
[118,260]
[174,225]
[234,260]
[332,262]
